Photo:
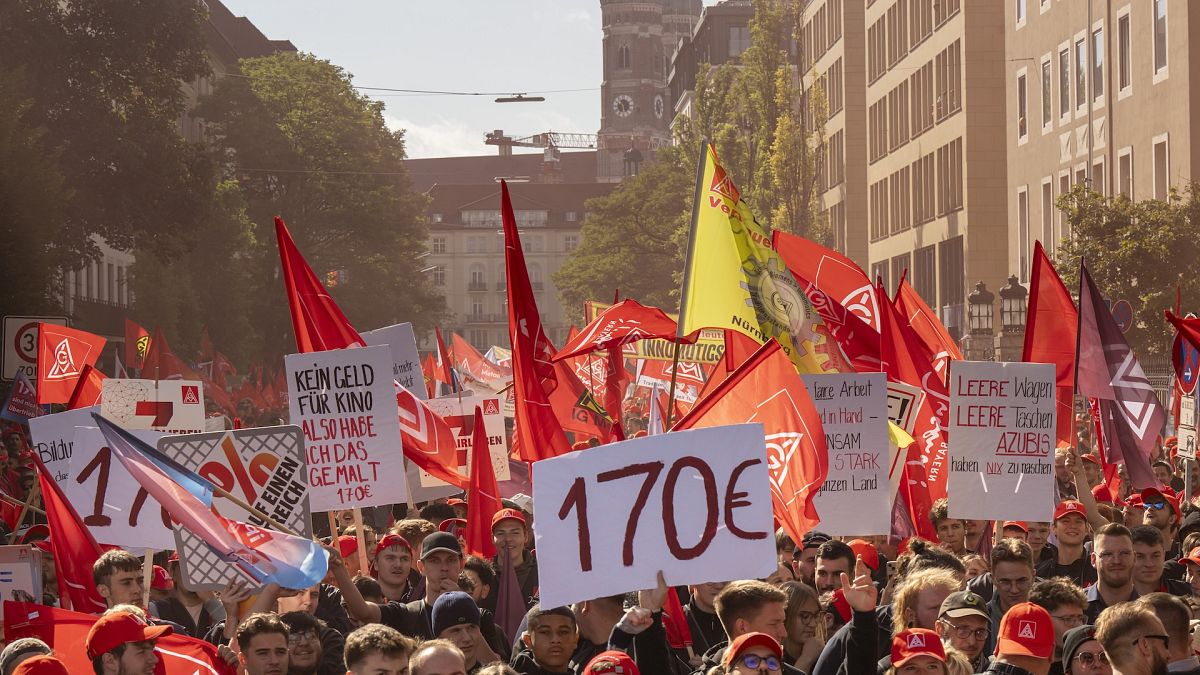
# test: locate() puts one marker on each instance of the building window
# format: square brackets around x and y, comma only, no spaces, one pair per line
[476,308]
[1047,216]
[1020,13]
[1023,229]
[1097,64]
[1064,188]
[1124,67]
[1081,71]
[623,56]
[1064,83]
[952,284]
[1047,95]
[1160,36]
[439,276]
[879,209]
[477,275]
[833,84]
[570,242]
[1125,172]
[900,265]
[943,10]
[879,271]
[439,245]
[435,217]
[571,216]
[924,274]
[112,284]
[122,288]
[948,67]
[1099,179]
[1162,183]
[1022,105]
[479,339]
[739,40]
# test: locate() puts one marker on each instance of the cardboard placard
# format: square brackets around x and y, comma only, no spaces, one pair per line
[460,415]
[20,575]
[54,438]
[854,416]
[263,466]
[695,504]
[406,361]
[345,402]
[1187,427]
[903,400]
[176,406]
[1002,422]
[21,404]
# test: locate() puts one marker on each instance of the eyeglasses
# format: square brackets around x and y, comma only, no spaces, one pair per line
[1089,659]
[756,662]
[807,617]
[962,632]
[306,636]
[1166,640]
[1072,620]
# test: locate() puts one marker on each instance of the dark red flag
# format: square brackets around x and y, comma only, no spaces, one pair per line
[835,274]
[1050,330]
[623,323]
[62,355]
[1131,416]
[1188,328]
[162,364]
[767,390]
[483,496]
[928,327]
[137,344]
[538,433]
[316,319]
[75,550]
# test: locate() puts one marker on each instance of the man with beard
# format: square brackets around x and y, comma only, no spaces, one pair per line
[804,557]
[1113,558]
[313,647]
[1176,617]
[1134,639]
[1162,512]
[834,558]
[964,623]
[121,643]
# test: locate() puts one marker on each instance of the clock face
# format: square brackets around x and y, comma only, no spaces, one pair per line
[623,105]
[658,106]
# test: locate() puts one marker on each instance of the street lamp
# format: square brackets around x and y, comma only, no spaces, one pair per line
[1013,306]
[980,344]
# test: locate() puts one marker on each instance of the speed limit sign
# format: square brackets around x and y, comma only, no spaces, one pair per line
[21,344]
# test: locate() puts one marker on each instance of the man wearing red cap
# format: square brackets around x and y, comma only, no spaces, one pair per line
[917,649]
[612,662]
[1162,511]
[1025,643]
[509,533]
[393,567]
[1071,529]
[121,643]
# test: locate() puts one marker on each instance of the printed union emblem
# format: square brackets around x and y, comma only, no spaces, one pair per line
[191,394]
[63,365]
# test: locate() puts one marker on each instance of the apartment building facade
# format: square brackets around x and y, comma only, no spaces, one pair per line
[935,156]
[1100,92]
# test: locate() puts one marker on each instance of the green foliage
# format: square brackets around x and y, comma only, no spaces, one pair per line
[1136,251]
[309,147]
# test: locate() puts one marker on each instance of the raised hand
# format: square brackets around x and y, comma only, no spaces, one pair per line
[862,594]
[654,598]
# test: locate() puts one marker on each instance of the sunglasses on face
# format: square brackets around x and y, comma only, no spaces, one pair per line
[755,662]
[1157,506]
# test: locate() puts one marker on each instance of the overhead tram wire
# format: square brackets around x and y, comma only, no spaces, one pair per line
[418,92]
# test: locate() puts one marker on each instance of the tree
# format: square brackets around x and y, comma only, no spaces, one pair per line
[1136,251]
[306,145]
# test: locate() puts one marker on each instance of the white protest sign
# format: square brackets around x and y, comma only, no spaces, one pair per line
[176,406]
[460,416]
[345,402]
[113,506]
[695,504]
[1187,427]
[854,415]
[54,438]
[1002,418]
[406,361]
[903,400]
[20,575]
[262,466]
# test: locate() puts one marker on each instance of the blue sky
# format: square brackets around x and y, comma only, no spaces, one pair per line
[454,45]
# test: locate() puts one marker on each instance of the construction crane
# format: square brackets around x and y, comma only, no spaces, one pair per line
[551,140]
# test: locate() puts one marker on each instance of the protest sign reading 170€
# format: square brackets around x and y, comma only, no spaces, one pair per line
[1002,421]
[695,504]
[344,401]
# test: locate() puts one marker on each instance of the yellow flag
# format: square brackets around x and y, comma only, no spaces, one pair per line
[734,279]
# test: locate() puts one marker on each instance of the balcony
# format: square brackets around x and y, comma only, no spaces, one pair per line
[486,318]
[477,286]
[501,285]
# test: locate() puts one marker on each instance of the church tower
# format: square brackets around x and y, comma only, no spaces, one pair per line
[635,110]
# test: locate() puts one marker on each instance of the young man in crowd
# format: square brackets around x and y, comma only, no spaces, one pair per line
[951,532]
[1067,606]
[377,650]
[1149,559]
[1025,642]
[437,657]
[509,533]
[965,624]
[1014,529]
[456,618]
[551,636]
[1113,558]
[834,558]
[1070,530]
[1012,577]
[393,568]
[804,557]
[1134,639]
[313,647]
[1082,654]
[482,576]
[916,604]
[118,578]
[1176,619]
[1038,540]
[1162,512]
[702,618]
[121,642]
[750,607]
[262,641]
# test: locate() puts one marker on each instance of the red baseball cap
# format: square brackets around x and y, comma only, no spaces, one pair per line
[1102,494]
[1067,507]
[118,628]
[1136,501]
[347,545]
[1089,457]
[612,661]
[1026,630]
[1167,495]
[747,640]
[1192,557]
[453,525]
[507,514]
[161,580]
[391,540]
[866,549]
[1018,524]
[41,665]
[455,501]
[914,642]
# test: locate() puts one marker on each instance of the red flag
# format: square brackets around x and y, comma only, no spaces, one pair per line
[316,319]
[444,372]
[429,370]
[1188,328]
[621,324]
[538,433]
[87,392]
[1107,369]
[206,345]
[1050,330]
[679,633]
[66,632]
[162,364]
[62,355]
[577,410]
[842,330]
[767,389]
[75,550]
[615,377]
[925,467]
[428,441]
[471,364]
[483,497]
[928,327]
[137,344]
[835,274]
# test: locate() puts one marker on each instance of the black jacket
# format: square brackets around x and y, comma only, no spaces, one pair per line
[833,658]
[716,657]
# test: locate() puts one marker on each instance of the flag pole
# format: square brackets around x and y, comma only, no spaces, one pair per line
[1075,384]
[701,160]
[33,494]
